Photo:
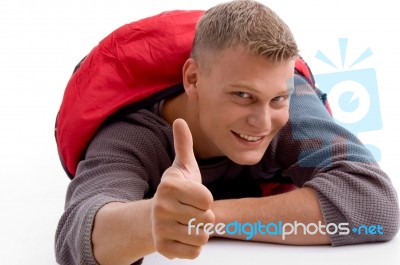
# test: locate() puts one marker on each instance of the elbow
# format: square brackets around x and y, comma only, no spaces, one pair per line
[374,220]
[61,248]
[390,220]
[378,222]
[384,211]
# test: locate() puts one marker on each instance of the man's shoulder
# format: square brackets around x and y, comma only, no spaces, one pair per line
[141,124]
[141,130]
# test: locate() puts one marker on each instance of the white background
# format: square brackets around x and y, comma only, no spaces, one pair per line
[41,42]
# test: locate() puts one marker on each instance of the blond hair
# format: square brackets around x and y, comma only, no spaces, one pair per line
[246,24]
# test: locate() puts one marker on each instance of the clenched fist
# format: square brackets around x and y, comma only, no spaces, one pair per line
[180,197]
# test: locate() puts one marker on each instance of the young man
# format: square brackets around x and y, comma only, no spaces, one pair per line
[194,157]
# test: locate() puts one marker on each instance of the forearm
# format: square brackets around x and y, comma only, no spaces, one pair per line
[300,205]
[122,232]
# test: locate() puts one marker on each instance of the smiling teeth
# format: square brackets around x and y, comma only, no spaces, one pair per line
[249,138]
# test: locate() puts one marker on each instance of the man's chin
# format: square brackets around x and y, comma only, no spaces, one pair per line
[246,160]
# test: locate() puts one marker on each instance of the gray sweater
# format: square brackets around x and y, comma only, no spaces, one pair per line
[126,159]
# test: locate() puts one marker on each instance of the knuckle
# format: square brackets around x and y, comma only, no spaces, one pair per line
[207,198]
[167,187]
[164,249]
[161,208]
[209,217]
[171,251]
[202,238]
[193,253]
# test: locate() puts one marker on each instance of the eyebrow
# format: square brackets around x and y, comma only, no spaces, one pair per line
[255,91]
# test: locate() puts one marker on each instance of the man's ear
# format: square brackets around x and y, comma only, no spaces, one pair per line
[190,75]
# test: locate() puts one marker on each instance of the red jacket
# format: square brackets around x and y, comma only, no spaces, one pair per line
[133,62]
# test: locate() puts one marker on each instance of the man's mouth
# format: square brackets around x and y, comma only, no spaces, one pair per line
[249,138]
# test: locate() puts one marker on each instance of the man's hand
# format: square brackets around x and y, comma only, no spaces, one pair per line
[179,198]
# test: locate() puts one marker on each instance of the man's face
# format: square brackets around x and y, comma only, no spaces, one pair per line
[242,102]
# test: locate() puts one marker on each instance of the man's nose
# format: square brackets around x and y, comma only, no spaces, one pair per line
[260,118]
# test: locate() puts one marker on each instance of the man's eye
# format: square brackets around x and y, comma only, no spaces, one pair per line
[280,98]
[242,94]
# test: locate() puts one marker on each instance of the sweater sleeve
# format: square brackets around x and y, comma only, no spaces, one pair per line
[123,162]
[316,152]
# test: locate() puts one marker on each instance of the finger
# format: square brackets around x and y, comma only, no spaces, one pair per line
[184,155]
[178,243]
[174,189]
[196,218]
[193,236]
[195,195]
[181,228]
[182,212]
[175,249]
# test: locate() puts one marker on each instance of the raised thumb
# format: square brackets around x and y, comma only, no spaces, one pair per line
[184,155]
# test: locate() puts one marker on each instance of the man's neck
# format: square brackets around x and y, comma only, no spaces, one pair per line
[180,107]
[174,108]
